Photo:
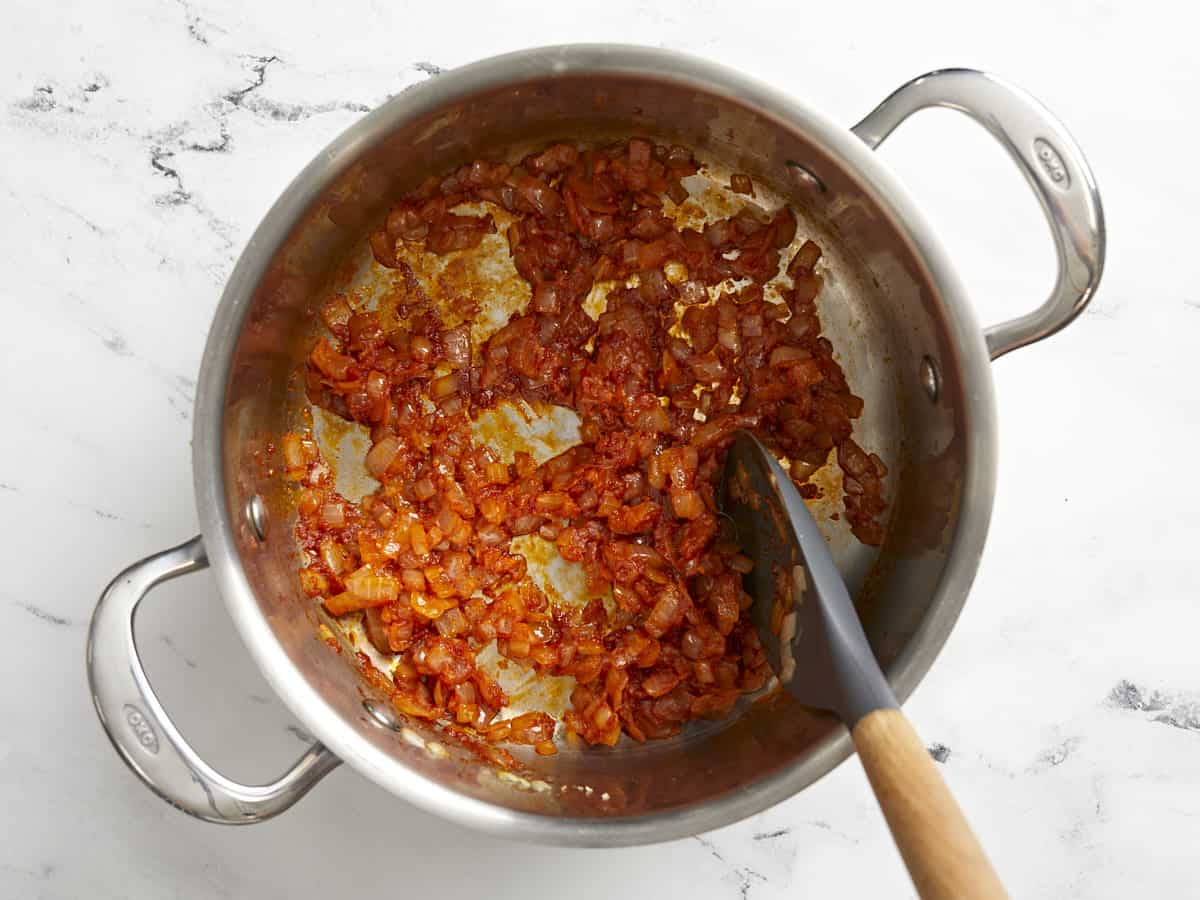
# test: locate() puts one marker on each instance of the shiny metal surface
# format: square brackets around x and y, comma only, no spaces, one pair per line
[1052,164]
[140,728]
[823,659]
[891,299]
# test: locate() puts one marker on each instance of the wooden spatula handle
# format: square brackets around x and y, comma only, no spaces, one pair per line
[938,846]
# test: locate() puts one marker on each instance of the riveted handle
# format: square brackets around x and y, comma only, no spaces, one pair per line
[1052,164]
[140,728]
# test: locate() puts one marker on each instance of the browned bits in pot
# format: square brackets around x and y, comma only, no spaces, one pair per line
[675,363]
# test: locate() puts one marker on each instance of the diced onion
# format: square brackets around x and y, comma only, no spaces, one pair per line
[696,337]
[458,346]
[445,386]
[788,354]
[381,455]
[740,183]
[373,586]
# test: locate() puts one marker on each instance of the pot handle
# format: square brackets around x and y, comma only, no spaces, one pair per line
[140,728]
[1052,164]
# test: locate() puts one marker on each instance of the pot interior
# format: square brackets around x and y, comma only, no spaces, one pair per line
[879,307]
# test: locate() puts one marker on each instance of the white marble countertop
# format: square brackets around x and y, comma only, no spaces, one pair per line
[140,146]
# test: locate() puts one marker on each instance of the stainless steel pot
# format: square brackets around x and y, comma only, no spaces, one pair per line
[894,308]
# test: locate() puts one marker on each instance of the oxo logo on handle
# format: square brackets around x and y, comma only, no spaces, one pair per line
[1052,163]
[141,728]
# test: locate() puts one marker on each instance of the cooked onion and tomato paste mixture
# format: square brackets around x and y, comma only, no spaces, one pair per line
[704,330]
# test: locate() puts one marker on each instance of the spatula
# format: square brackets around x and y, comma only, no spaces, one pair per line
[816,644]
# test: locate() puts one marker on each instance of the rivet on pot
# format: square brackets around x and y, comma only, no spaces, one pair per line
[805,177]
[256,516]
[382,715]
[930,379]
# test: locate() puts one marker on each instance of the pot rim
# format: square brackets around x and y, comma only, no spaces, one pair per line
[216,518]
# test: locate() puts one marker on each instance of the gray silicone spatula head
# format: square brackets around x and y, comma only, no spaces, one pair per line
[817,646]
[802,610]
